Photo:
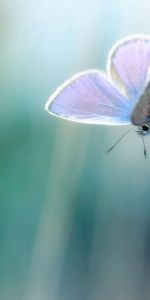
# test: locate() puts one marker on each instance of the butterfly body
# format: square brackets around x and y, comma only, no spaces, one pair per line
[141,113]
[119,97]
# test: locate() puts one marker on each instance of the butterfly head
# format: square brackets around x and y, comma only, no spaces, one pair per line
[144,129]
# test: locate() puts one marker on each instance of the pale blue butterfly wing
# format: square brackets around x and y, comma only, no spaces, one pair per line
[129,63]
[89,97]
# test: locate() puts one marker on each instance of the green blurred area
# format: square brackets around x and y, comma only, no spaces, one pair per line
[74,222]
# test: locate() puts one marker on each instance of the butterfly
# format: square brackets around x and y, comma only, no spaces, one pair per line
[119,96]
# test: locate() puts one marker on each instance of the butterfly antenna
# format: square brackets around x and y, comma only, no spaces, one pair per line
[122,136]
[145,152]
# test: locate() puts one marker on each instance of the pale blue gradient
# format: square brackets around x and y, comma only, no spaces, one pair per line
[74,222]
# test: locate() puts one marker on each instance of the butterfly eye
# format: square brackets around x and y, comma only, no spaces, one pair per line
[145,127]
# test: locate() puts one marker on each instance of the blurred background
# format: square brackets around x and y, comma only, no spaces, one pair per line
[74,222]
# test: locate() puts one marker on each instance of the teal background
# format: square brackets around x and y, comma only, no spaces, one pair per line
[74,222]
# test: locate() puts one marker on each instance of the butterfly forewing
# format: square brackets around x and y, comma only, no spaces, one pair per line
[128,64]
[89,97]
